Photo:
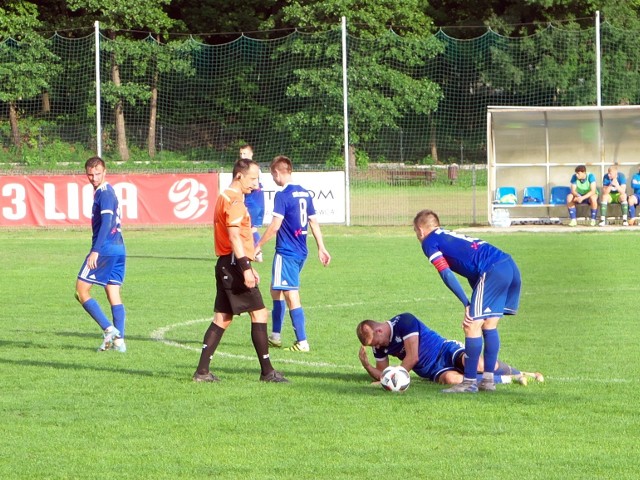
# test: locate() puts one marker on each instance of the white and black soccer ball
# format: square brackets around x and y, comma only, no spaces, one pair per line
[395,379]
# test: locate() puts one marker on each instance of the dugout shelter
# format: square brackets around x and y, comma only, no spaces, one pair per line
[532,153]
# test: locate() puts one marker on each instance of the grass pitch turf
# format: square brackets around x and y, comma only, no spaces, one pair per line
[70,412]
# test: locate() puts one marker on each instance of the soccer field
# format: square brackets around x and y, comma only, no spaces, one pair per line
[70,412]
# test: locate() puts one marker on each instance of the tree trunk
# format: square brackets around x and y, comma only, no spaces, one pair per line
[121,132]
[434,143]
[153,115]
[13,121]
[46,103]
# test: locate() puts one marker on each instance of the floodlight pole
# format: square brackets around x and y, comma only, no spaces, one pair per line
[345,109]
[98,112]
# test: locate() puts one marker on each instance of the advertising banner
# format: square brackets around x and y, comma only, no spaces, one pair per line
[327,190]
[155,199]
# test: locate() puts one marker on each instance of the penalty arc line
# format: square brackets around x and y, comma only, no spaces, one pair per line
[159,336]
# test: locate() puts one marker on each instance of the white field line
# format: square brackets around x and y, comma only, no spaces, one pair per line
[159,336]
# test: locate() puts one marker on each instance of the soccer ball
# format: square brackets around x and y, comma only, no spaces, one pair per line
[395,379]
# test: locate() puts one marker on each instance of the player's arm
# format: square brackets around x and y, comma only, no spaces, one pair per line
[450,280]
[593,190]
[270,232]
[251,277]
[106,215]
[323,254]
[411,346]
[374,372]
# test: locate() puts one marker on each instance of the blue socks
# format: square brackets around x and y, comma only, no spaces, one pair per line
[93,308]
[119,318]
[572,213]
[473,349]
[256,237]
[277,315]
[491,349]
[297,319]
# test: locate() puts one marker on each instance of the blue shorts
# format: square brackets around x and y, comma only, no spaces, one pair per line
[447,359]
[497,292]
[110,270]
[285,272]
[255,204]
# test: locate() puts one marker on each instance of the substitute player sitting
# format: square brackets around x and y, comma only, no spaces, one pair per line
[583,192]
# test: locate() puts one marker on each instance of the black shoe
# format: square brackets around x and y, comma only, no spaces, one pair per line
[274,376]
[205,377]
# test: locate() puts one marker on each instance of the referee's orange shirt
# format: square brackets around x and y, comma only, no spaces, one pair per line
[230,211]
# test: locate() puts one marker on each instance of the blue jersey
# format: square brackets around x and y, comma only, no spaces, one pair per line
[583,186]
[606,181]
[466,256]
[430,343]
[105,222]
[254,202]
[294,205]
[635,183]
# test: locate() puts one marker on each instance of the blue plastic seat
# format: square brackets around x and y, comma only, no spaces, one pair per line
[506,195]
[559,195]
[533,196]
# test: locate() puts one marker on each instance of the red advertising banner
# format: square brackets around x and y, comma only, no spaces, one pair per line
[164,199]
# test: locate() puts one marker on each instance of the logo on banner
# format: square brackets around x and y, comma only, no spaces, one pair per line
[190,199]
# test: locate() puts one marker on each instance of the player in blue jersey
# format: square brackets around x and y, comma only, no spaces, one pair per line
[614,186]
[583,191]
[495,280]
[293,215]
[105,264]
[634,198]
[424,351]
[254,202]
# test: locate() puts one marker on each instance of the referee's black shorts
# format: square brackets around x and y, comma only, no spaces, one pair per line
[232,295]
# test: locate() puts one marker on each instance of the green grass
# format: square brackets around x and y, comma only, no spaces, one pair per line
[69,412]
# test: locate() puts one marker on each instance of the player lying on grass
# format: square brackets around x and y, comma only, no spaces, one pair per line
[424,351]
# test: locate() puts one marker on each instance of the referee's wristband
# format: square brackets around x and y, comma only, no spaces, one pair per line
[244,263]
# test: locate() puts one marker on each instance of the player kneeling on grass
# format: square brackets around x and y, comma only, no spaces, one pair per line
[424,351]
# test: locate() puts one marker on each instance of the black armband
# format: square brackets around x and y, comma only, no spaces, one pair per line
[244,263]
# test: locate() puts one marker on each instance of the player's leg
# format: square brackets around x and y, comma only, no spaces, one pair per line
[296,312]
[633,201]
[221,319]
[259,319]
[117,307]
[603,209]
[593,204]
[624,206]
[473,350]
[571,206]
[277,318]
[86,279]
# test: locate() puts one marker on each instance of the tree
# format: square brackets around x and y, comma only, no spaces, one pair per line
[26,64]
[118,17]
[385,70]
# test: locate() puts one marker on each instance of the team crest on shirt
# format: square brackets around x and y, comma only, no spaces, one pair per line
[398,339]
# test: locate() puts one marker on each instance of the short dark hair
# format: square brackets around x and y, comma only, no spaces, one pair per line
[581,168]
[426,217]
[282,163]
[242,166]
[93,162]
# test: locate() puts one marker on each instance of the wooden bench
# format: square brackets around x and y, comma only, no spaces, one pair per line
[406,177]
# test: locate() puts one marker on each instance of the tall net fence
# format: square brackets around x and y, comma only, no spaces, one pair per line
[415,106]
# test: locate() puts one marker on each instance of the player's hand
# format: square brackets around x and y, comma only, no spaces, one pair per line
[364,359]
[251,278]
[324,257]
[468,320]
[92,260]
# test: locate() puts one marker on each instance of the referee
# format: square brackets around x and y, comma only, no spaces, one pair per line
[236,280]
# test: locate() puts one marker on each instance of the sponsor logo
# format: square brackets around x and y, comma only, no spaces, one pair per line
[190,199]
